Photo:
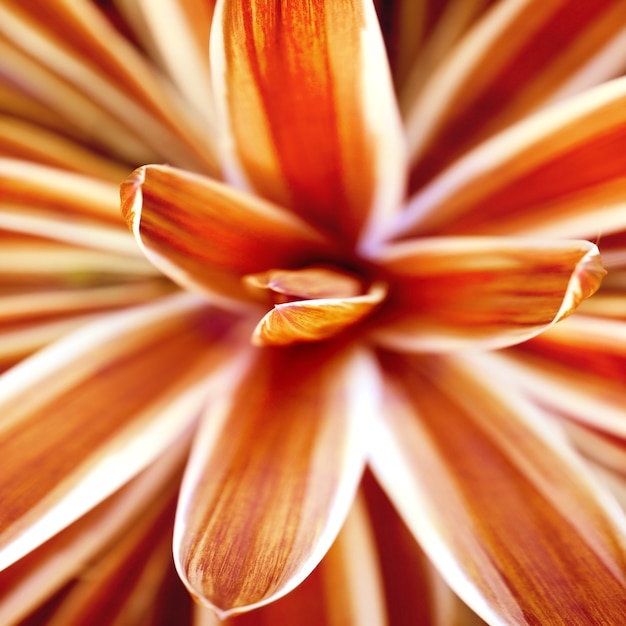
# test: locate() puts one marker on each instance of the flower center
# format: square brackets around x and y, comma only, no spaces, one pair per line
[311,304]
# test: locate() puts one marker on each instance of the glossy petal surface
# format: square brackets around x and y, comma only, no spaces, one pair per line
[345,589]
[451,293]
[272,475]
[207,235]
[316,319]
[307,100]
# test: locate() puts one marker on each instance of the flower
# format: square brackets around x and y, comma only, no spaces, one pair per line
[342,293]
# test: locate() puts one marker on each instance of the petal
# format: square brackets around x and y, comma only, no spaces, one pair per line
[37,576]
[307,283]
[452,293]
[576,372]
[207,236]
[90,238]
[18,104]
[83,416]
[308,108]
[29,321]
[65,255]
[500,503]
[78,49]
[45,98]
[544,170]
[516,59]
[273,475]
[315,320]
[423,34]
[124,584]
[415,592]
[57,191]
[29,142]
[178,37]
[345,588]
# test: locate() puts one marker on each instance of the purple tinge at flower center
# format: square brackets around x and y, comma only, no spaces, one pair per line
[311,304]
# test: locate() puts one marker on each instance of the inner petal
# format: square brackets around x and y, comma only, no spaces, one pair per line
[311,304]
[305,284]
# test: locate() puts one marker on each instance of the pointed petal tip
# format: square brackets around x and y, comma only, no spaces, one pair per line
[585,281]
[130,193]
[222,615]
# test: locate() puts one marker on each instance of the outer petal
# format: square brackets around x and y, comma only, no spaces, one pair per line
[27,184]
[66,556]
[307,101]
[552,173]
[415,592]
[273,475]
[83,416]
[30,321]
[64,255]
[30,142]
[345,589]
[497,499]
[207,236]
[577,372]
[452,293]
[33,92]
[123,585]
[178,36]
[423,33]
[103,78]
[518,58]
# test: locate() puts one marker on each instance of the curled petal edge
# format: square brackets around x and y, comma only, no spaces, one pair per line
[315,320]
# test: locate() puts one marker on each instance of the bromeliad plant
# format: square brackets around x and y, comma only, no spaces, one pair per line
[336,324]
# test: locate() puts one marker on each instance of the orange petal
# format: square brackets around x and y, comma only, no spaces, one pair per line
[92,245]
[29,321]
[104,78]
[33,579]
[315,320]
[415,592]
[29,142]
[45,98]
[84,415]
[577,372]
[501,504]
[306,283]
[17,104]
[422,35]
[273,475]
[50,287]
[519,57]
[451,293]
[24,184]
[206,235]
[552,167]
[33,262]
[178,35]
[124,584]
[308,109]
[345,588]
